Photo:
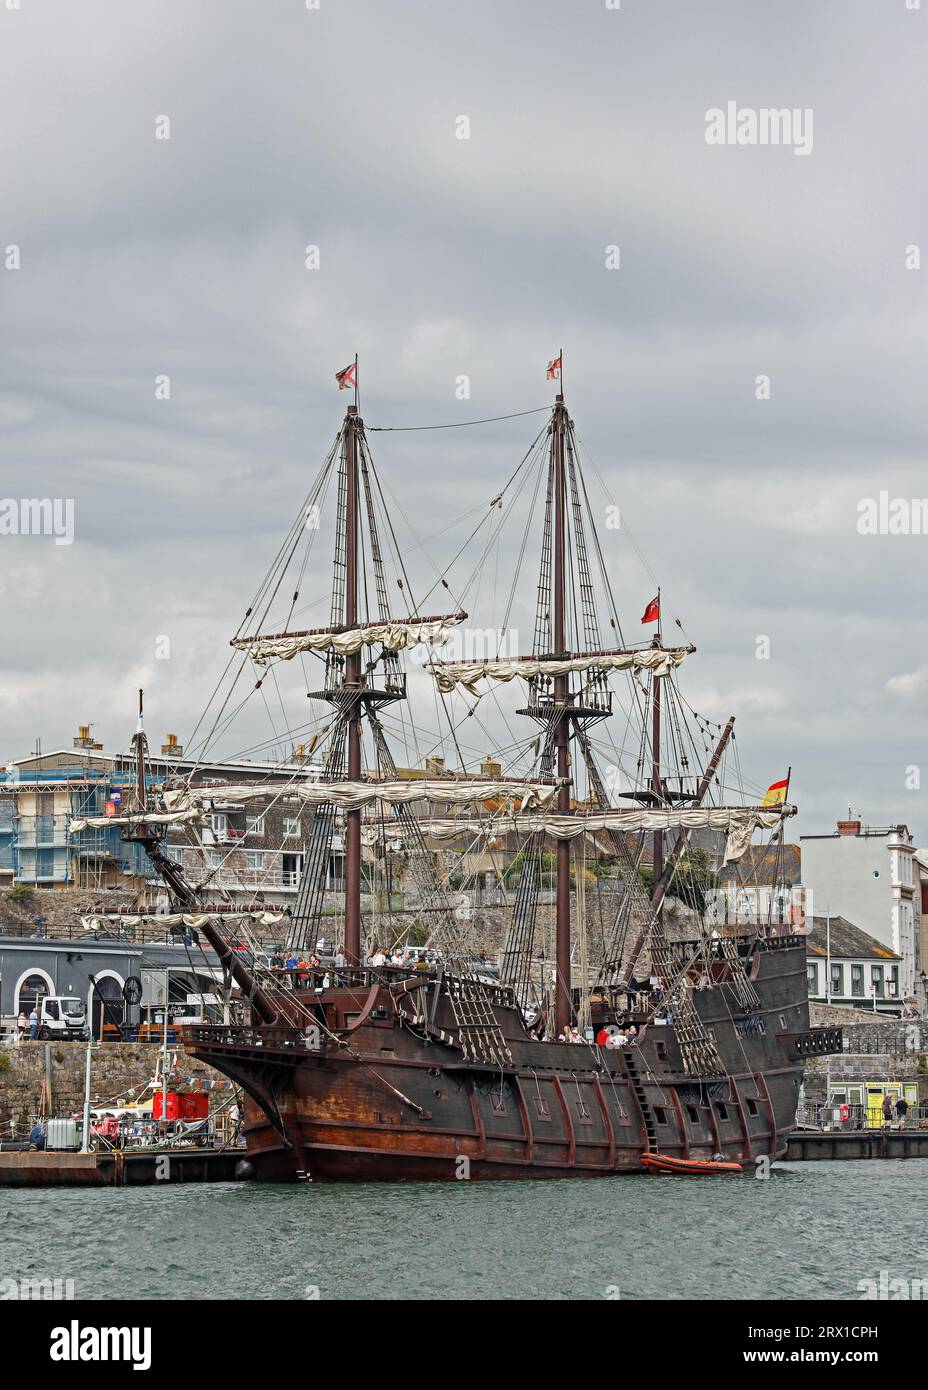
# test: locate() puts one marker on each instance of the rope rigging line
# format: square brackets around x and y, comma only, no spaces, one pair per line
[457,424]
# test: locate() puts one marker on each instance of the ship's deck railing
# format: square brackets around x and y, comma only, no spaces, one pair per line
[314,979]
[308,1039]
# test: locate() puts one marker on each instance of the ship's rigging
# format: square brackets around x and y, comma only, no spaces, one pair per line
[671,768]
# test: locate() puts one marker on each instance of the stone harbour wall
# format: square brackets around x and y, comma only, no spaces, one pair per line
[119,1072]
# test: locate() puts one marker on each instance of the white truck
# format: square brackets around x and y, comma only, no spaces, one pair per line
[62,1016]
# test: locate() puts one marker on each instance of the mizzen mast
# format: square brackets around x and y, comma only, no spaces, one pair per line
[657,787]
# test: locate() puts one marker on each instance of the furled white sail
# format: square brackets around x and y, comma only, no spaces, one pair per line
[100,922]
[353,795]
[737,822]
[149,818]
[660,660]
[395,635]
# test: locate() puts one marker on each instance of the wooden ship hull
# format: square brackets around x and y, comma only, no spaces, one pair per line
[394,1096]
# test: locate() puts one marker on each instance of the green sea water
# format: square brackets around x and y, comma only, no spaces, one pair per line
[811,1230]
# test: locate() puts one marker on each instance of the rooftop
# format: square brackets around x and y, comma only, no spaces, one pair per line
[765,865]
[847,942]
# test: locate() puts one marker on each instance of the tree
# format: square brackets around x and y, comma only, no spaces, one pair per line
[692,879]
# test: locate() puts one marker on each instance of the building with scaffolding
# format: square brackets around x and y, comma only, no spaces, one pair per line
[243,849]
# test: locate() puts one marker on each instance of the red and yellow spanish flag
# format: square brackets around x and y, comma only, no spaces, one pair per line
[775,794]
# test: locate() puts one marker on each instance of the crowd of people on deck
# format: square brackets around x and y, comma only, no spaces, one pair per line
[323,967]
[609,1035]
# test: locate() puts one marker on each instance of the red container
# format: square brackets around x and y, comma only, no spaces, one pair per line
[183,1105]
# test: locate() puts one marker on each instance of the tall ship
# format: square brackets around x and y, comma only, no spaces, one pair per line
[624,1014]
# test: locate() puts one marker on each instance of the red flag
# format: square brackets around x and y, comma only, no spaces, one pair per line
[653,611]
[554,369]
[345,378]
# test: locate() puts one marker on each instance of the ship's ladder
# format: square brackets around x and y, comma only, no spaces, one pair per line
[631,1064]
[480,1036]
[698,1051]
[745,993]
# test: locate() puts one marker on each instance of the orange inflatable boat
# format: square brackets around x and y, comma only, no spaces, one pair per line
[663,1163]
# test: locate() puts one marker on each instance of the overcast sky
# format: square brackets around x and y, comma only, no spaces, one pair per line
[442,257]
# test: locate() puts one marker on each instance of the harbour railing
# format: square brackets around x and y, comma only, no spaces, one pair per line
[835,1116]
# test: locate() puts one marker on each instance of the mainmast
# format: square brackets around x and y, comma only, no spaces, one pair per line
[562,979]
[352,684]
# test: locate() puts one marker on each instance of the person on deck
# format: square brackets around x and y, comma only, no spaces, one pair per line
[887,1109]
[22,1023]
[602,1038]
[902,1109]
[33,1024]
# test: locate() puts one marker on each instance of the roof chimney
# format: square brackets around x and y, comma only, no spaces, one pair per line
[434,766]
[171,748]
[848,827]
[83,739]
[490,769]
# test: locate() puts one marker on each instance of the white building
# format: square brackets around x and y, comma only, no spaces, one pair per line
[847,966]
[867,876]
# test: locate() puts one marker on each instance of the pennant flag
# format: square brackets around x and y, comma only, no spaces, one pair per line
[775,794]
[345,378]
[653,611]
[554,369]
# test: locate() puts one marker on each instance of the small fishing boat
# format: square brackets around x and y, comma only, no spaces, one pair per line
[663,1163]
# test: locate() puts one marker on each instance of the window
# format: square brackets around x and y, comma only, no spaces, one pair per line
[291,869]
[30,993]
[214,858]
[876,981]
[857,981]
[752,1105]
[892,984]
[722,1109]
[291,825]
[693,1114]
[837,978]
[254,825]
[812,972]
[254,860]
[660,1115]
[219,822]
